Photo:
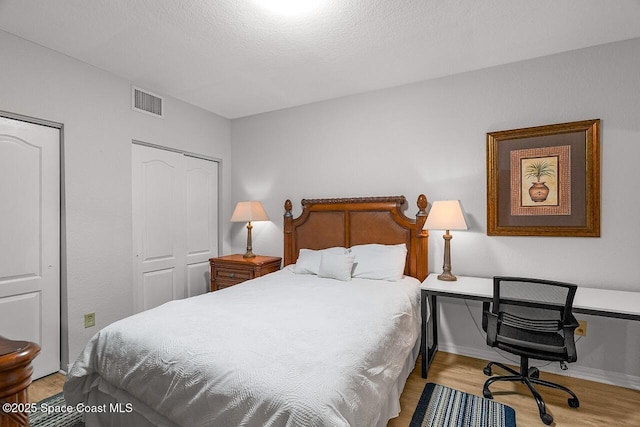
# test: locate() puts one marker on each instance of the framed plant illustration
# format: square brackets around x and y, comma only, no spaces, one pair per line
[544,181]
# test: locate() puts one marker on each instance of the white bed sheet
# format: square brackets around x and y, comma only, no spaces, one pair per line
[280,350]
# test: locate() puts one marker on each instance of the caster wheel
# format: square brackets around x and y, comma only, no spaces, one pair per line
[487,393]
[546,418]
[487,371]
[534,373]
[574,403]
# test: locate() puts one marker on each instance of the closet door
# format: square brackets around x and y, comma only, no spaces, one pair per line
[30,238]
[175,223]
[201,222]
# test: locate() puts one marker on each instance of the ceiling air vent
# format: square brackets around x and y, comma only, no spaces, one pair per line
[146,102]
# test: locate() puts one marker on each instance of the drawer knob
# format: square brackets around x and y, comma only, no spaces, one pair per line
[232,275]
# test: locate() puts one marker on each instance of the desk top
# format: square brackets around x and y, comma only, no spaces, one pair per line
[599,302]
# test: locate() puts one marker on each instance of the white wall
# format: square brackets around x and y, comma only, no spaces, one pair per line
[430,137]
[99,125]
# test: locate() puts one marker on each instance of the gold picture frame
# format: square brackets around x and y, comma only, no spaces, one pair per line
[544,180]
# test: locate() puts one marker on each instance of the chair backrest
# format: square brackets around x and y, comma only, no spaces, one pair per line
[534,304]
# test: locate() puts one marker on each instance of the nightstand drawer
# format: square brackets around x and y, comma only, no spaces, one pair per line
[222,283]
[233,275]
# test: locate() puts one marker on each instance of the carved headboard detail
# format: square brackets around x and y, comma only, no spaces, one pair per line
[347,222]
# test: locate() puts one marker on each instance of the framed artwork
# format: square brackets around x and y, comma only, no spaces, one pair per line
[544,181]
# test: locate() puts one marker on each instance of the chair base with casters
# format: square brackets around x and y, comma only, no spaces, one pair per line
[529,377]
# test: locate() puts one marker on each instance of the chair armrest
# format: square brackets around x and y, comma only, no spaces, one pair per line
[492,327]
[485,311]
[570,343]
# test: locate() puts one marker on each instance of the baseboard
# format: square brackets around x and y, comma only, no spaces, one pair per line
[574,370]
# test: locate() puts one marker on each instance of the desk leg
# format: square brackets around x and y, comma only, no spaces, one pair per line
[423,335]
[428,352]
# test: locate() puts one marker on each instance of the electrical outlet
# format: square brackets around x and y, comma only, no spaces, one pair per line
[582,329]
[89,320]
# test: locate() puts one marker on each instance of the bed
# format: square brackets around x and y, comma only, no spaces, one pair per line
[328,340]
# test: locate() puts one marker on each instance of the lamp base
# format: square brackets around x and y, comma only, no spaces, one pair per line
[446,275]
[249,253]
[446,266]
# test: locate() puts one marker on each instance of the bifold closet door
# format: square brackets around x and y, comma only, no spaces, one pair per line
[201,222]
[30,239]
[175,224]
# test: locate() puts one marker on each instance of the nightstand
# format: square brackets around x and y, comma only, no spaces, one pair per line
[15,377]
[233,269]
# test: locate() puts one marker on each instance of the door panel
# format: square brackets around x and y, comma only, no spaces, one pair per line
[30,238]
[20,163]
[198,215]
[198,278]
[159,287]
[158,182]
[25,307]
[202,222]
[175,223]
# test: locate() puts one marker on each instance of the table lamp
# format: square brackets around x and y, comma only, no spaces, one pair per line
[247,212]
[446,215]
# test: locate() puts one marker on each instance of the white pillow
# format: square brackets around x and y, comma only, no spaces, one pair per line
[379,262]
[336,266]
[309,260]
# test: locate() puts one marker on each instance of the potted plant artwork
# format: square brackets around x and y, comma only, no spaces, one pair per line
[538,169]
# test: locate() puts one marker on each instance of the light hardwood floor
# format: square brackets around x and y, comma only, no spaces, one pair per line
[45,387]
[600,404]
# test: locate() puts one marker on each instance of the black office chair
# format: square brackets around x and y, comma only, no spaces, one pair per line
[531,318]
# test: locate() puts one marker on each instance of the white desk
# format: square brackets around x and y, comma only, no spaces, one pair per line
[597,302]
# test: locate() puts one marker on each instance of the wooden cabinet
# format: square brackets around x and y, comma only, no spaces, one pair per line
[15,377]
[233,269]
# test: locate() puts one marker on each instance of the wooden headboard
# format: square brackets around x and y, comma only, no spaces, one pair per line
[325,223]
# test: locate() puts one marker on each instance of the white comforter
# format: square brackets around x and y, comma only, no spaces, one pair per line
[280,350]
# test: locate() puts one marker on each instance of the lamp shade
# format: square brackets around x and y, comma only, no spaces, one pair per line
[445,215]
[249,211]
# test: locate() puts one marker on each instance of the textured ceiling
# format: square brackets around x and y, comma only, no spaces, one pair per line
[237,57]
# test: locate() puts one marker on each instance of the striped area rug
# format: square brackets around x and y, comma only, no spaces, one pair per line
[441,406]
[54,412]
